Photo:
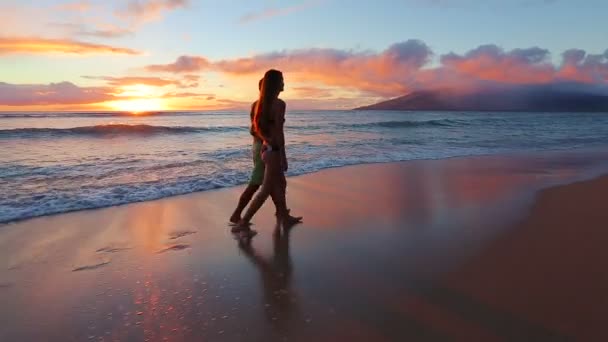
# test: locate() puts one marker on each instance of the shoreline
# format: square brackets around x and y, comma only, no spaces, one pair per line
[439,250]
[512,154]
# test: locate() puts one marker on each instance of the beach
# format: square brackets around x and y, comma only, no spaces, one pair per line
[481,248]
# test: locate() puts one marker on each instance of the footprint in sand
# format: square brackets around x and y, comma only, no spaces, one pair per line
[111,249]
[14,267]
[180,233]
[177,247]
[90,267]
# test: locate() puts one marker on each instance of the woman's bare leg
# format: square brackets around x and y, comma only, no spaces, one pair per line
[279,192]
[270,180]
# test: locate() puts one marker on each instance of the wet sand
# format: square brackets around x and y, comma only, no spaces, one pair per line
[457,249]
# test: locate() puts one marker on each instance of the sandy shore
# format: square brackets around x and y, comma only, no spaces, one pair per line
[456,249]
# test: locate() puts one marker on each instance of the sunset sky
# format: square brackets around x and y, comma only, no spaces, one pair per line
[184,55]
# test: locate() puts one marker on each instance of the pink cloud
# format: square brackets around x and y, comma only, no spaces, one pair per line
[183,64]
[579,66]
[312,92]
[51,94]
[34,45]
[403,67]
[384,73]
[104,31]
[339,103]
[149,10]
[491,63]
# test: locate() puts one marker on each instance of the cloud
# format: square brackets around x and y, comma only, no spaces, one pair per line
[189,81]
[52,94]
[332,103]
[113,32]
[133,80]
[386,73]
[88,19]
[579,66]
[105,31]
[491,63]
[404,67]
[233,104]
[312,92]
[35,45]
[273,12]
[149,10]
[183,64]
[188,94]
[75,6]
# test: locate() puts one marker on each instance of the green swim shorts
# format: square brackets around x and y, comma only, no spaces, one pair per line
[257,174]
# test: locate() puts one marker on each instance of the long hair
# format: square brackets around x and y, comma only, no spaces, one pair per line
[270,89]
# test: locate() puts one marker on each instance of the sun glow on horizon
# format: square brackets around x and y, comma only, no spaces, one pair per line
[141,98]
[136,106]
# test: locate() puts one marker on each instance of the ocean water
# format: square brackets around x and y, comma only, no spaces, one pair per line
[58,162]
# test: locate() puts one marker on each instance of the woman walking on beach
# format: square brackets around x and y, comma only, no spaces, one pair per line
[257,173]
[268,120]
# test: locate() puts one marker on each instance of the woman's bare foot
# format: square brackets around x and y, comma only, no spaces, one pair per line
[289,220]
[235,218]
[240,225]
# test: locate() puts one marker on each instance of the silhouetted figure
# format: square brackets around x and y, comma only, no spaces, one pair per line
[257,174]
[268,120]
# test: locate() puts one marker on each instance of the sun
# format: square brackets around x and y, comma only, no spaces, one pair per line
[141,98]
[137,106]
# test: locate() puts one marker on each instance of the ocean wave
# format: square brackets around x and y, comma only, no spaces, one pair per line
[408,124]
[111,129]
[24,205]
[38,115]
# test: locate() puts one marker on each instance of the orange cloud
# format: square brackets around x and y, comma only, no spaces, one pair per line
[333,103]
[32,45]
[125,81]
[187,94]
[312,92]
[189,81]
[183,64]
[63,93]
[149,10]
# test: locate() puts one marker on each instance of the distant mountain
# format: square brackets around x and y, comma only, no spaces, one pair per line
[537,98]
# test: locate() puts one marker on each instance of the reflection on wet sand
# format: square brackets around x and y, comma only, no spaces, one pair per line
[278,300]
